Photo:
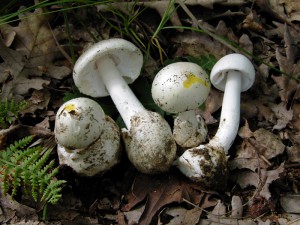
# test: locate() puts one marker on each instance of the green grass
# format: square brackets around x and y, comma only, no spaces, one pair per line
[126,25]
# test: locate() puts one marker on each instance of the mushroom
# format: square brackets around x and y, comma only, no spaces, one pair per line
[181,88]
[232,74]
[106,69]
[88,141]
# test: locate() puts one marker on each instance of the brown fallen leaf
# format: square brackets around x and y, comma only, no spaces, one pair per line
[38,100]
[268,144]
[261,180]
[293,153]
[287,10]
[184,216]
[287,64]
[212,104]
[296,116]
[159,191]
[34,53]
[22,211]
[247,157]
[283,116]
[256,149]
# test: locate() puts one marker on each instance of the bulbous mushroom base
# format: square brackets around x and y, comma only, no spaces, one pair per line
[189,129]
[205,165]
[99,157]
[149,143]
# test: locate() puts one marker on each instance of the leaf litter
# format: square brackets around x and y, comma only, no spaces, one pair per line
[264,160]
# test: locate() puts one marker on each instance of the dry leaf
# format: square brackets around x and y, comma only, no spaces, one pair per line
[256,148]
[247,158]
[293,153]
[296,116]
[184,216]
[159,191]
[212,104]
[287,64]
[34,54]
[283,115]
[290,203]
[38,100]
[288,10]
[236,207]
[260,180]
[268,144]
[244,131]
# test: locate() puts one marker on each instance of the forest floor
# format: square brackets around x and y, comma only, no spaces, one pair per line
[38,51]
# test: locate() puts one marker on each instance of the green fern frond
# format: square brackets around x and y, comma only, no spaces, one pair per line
[20,144]
[52,192]
[25,166]
[46,176]
[9,111]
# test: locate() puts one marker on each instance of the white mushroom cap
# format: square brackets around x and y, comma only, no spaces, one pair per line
[233,62]
[127,58]
[78,123]
[180,87]
[97,158]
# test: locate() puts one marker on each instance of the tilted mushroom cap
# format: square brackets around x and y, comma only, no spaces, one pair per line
[78,123]
[235,62]
[127,58]
[180,87]
[97,158]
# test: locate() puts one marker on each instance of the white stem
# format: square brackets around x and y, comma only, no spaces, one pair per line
[124,99]
[230,114]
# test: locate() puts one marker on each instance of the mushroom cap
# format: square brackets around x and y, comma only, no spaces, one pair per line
[235,62]
[127,58]
[78,123]
[97,158]
[180,87]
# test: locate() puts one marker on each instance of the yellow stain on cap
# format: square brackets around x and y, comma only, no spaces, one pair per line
[193,79]
[70,107]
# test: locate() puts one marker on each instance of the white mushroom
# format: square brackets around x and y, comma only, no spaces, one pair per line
[105,69]
[207,163]
[181,88]
[88,141]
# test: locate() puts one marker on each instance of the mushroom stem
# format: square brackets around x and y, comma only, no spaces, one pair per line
[230,113]
[124,99]
[232,74]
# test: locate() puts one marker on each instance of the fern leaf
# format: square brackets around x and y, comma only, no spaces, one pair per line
[22,143]
[51,194]
[9,111]
[41,161]
[45,177]
[22,165]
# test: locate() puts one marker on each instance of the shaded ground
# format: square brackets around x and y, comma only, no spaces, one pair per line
[264,160]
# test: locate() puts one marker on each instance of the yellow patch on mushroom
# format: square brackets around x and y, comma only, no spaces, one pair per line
[70,107]
[193,79]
